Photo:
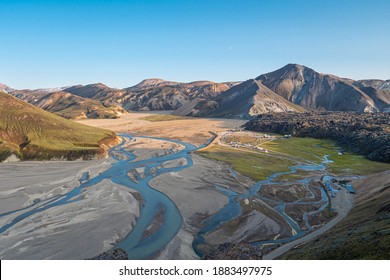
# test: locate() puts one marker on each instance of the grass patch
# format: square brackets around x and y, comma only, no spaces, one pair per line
[163,118]
[311,149]
[259,166]
[255,166]
[306,149]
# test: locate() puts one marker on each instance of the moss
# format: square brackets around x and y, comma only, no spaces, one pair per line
[310,149]
[255,166]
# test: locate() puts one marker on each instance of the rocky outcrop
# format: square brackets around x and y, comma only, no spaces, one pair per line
[235,251]
[115,254]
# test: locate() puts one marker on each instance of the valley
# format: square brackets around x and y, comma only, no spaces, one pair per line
[173,187]
[259,169]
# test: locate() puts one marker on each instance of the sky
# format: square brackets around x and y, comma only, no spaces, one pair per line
[119,43]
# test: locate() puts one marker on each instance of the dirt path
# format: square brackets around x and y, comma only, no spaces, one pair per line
[342,204]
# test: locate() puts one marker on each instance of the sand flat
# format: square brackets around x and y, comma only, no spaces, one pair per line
[192,130]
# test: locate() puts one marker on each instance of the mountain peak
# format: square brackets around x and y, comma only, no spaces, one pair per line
[5,88]
[151,83]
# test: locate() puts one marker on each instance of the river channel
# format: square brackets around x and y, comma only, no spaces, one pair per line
[139,245]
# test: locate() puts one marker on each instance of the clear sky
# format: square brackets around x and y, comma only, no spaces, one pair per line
[119,43]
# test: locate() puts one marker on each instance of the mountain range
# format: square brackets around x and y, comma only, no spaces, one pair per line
[292,88]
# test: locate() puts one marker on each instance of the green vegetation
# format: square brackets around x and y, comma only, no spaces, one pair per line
[304,149]
[254,165]
[163,118]
[33,133]
[259,166]
[245,140]
[311,149]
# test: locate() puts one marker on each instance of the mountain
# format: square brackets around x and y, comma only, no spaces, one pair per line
[197,107]
[68,105]
[151,83]
[152,94]
[244,100]
[97,91]
[32,133]
[312,90]
[5,88]
[291,88]
[377,84]
[363,234]
[50,90]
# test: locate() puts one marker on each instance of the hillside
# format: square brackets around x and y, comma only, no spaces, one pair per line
[32,133]
[70,106]
[363,234]
[244,100]
[312,90]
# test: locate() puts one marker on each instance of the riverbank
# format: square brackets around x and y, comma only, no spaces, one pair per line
[94,220]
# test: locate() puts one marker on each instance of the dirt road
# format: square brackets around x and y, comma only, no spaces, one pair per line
[342,204]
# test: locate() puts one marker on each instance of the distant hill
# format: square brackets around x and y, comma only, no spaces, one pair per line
[363,234]
[32,133]
[97,91]
[68,105]
[152,94]
[151,83]
[377,84]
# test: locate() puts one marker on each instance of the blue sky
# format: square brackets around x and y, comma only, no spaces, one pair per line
[119,43]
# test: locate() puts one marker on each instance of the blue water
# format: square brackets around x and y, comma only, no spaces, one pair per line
[137,246]
[135,243]
[232,209]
